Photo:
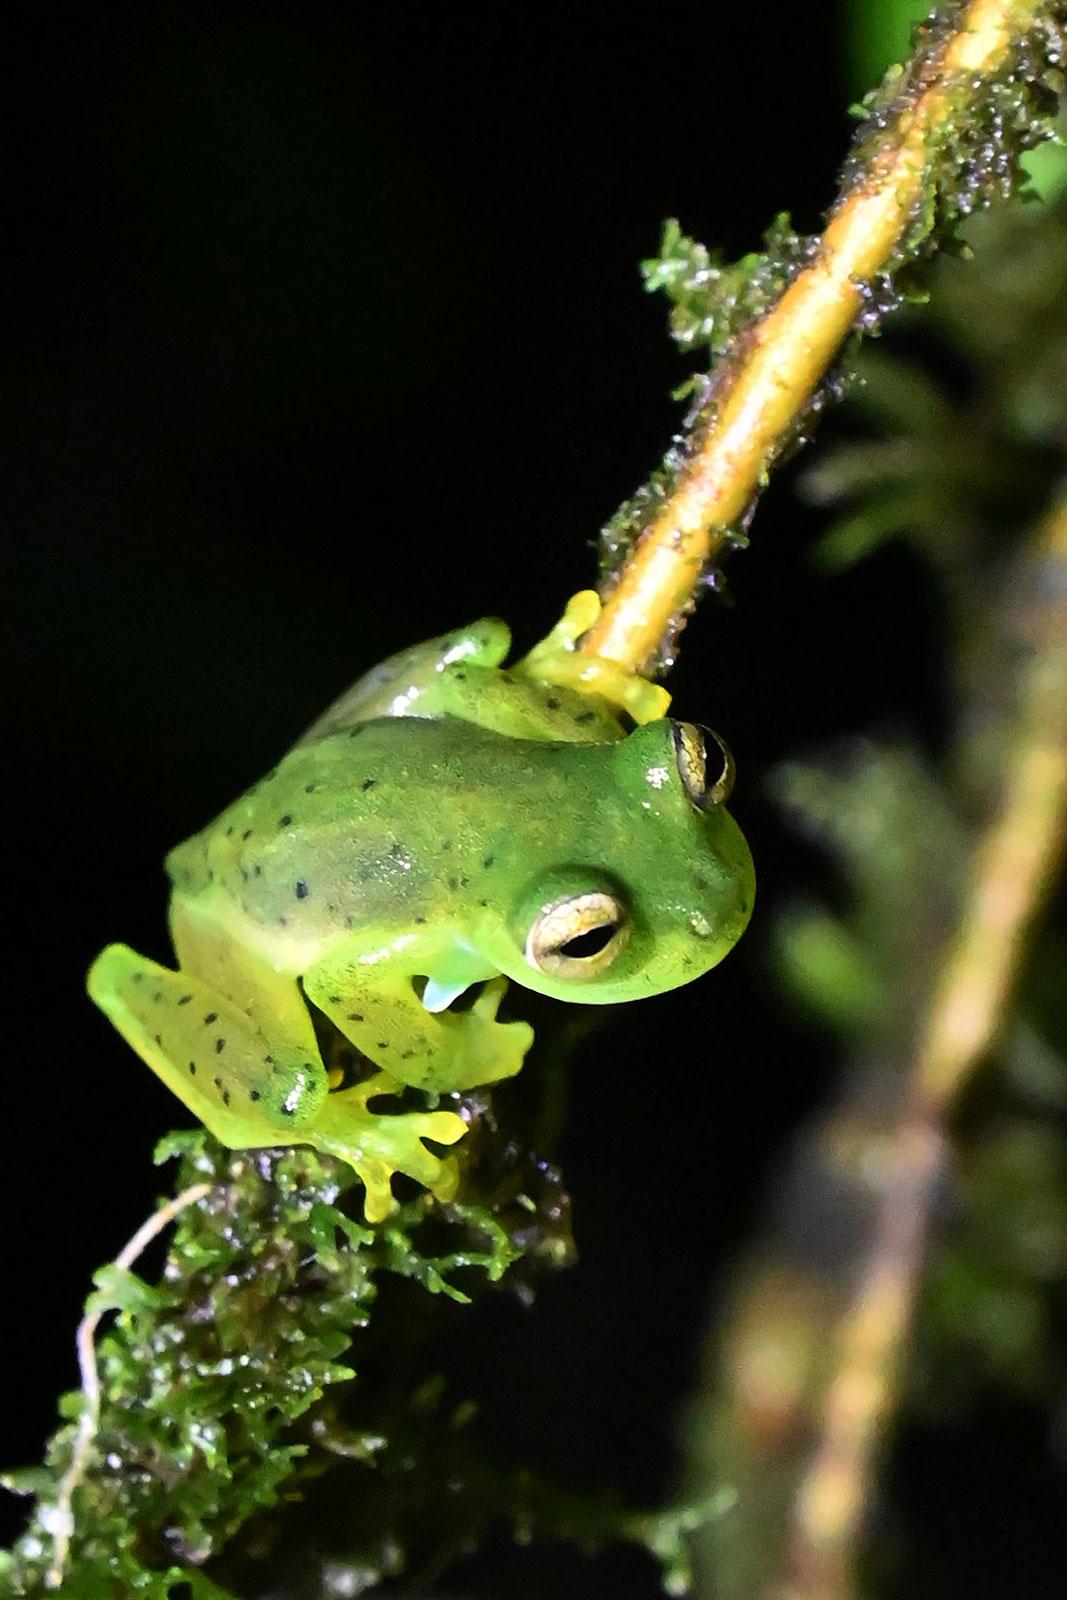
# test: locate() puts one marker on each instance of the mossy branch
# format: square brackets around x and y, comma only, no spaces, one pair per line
[1013,864]
[943,136]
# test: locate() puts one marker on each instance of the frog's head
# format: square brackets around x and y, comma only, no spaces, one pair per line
[662,882]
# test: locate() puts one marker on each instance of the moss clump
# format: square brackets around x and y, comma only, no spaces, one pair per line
[221,1383]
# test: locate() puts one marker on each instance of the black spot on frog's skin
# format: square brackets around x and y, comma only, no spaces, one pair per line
[257,870]
[368,783]
[453,884]
[483,903]
[552,703]
[157,997]
[420,920]
[157,1038]
[287,1111]
[355,1016]
[283,922]
[460,677]
[301,891]
[355,732]
[309,788]
[286,821]
[582,717]
[488,862]
[254,1094]
[229,831]
[220,1045]
[217,1082]
[138,977]
[335,999]
[271,775]
[183,1000]
[446,844]
[407,1055]
[211,874]
[211,1017]
[701,883]
[225,1097]
[383,1044]
[247,833]
[192,1069]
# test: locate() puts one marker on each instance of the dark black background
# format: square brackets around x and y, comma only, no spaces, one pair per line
[328,335]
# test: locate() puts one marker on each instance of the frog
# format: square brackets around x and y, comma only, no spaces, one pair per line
[449,826]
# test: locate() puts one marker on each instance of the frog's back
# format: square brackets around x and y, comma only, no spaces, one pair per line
[393,820]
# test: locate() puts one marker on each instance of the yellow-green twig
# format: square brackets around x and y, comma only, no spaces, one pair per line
[788,350]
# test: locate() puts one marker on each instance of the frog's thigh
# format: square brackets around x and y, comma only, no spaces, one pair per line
[376,1007]
[271,999]
[250,1085]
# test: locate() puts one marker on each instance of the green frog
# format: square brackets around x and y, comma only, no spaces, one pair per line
[447,825]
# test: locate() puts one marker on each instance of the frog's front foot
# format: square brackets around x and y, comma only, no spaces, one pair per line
[378,1144]
[489,1050]
[556,659]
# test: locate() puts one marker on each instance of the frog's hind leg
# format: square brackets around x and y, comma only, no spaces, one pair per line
[233,1038]
[248,1090]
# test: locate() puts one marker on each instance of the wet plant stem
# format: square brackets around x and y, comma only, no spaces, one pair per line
[765,384]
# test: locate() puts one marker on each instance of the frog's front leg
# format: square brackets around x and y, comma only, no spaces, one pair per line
[373,994]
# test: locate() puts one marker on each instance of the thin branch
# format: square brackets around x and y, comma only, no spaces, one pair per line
[62,1515]
[788,351]
[1014,863]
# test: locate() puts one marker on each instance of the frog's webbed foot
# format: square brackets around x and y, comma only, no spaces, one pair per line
[490,1050]
[556,659]
[378,1144]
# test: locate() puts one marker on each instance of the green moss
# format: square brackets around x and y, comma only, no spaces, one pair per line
[214,1379]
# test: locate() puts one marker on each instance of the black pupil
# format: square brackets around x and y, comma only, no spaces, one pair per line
[590,943]
[717,756]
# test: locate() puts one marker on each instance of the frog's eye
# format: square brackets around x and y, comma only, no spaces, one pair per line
[578,937]
[708,777]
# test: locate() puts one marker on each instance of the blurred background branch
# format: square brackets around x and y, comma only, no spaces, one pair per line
[877,1272]
[1014,860]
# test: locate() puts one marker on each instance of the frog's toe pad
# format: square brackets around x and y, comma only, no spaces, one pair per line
[379,1144]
